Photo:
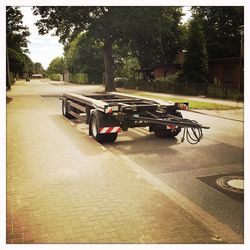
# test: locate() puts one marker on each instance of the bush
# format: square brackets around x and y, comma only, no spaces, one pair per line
[120,81]
[79,78]
[55,77]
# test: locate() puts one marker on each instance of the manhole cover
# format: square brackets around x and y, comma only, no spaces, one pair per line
[231,183]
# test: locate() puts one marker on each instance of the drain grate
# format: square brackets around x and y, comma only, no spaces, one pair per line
[231,184]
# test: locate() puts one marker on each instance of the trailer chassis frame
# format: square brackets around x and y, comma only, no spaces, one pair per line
[124,111]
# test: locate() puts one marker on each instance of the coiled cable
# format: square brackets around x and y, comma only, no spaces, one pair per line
[193,135]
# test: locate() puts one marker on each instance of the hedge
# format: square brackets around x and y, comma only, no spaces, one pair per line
[79,78]
[55,77]
[224,93]
[209,90]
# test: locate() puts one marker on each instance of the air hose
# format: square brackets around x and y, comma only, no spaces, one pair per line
[193,135]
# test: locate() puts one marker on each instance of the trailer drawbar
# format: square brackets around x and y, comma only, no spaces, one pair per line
[109,113]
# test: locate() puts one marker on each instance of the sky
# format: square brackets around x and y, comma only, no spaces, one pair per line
[44,48]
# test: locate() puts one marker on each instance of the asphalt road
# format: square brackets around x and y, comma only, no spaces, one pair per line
[192,170]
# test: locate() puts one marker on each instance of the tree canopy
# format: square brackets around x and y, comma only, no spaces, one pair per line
[56,66]
[195,68]
[154,34]
[16,32]
[84,55]
[16,40]
[38,68]
[221,25]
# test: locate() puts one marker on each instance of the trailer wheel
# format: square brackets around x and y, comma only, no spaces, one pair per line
[162,132]
[65,110]
[94,128]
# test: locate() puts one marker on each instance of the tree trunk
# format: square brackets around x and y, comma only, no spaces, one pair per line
[108,64]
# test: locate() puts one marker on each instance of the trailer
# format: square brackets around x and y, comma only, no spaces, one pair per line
[109,113]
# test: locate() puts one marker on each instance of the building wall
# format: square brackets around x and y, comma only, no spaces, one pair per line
[225,74]
[159,73]
[164,72]
[180,58]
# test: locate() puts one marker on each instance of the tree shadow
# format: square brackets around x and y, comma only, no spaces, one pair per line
[8,99]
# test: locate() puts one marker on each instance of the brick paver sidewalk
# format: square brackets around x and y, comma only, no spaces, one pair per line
[63,187]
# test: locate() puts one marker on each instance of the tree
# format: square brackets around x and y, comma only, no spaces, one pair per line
[195,68]
[84,55]
[38,68]
[16,62]
[16,41]
[126,67]
[16,32]
[56,66]
[155,34]
[29,65]
[68,22]
[184,34]
[221,28]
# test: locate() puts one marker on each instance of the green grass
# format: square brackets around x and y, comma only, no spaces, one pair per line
[192,104]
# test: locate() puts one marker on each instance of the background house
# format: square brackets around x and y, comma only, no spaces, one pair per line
[37,76]
[226,72]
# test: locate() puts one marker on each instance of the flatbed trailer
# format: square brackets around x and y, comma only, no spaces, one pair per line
[109,113]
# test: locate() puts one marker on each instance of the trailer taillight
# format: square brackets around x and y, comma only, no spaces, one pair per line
[182,105]
[111,109]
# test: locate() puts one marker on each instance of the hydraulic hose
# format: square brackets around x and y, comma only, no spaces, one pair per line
[193,135]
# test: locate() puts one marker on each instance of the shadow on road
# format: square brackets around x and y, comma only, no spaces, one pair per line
[82,141]
[8,99]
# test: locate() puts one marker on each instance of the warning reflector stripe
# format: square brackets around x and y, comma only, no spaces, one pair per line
[103,130]
[108,130]
[115,130]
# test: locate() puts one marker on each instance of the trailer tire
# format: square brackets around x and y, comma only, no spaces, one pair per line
[162,132]
[94,127]
[65,110]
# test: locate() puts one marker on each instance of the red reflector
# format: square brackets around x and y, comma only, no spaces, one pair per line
[170,126]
